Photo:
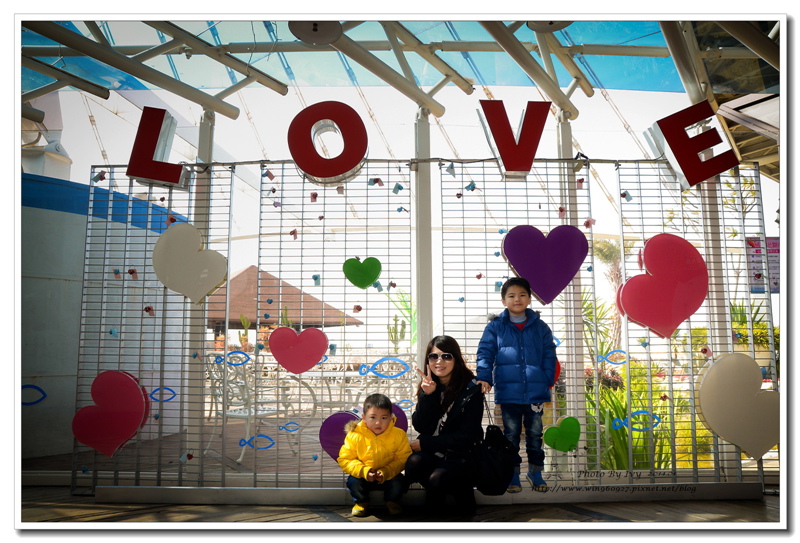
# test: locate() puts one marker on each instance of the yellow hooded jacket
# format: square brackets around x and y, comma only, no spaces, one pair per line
[363,450]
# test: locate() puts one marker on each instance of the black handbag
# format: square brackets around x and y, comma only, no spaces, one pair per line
[493,459]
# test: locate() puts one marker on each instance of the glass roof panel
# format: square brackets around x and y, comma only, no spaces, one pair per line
[330,68]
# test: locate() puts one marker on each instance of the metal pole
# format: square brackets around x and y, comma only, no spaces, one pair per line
[195,373]
[423,289]
[573,356]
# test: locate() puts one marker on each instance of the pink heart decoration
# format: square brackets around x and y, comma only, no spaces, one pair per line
[732,405]
[332,431]
[548,263]
[121,408]
[298,352]
[673,287]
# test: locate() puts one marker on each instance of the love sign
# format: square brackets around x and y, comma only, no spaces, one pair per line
[672,289]
[549,262]
[298,352]
[516,153]
[120,408]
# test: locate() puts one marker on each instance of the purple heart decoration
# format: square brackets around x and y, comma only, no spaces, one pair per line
[548,262]
[332,432]
[402,420]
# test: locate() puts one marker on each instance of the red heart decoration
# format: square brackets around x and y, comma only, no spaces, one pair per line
[298,352]
[673,287]
[121,408]
[558,373]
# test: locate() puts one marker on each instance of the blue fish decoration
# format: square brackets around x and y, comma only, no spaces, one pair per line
[364,369]
[251,442]
[405,404]
[42,394]
[290,427]
[219,359]
[607,357]
[156,399]
[617,423]
[324,359]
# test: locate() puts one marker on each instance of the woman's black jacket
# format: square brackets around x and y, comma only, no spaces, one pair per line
[462,427]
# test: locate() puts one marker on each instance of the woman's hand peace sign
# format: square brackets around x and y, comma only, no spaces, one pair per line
[428,384]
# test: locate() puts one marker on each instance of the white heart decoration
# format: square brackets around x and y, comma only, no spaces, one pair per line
[733,406]
[182,265]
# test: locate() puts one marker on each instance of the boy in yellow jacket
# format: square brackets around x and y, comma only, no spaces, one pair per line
[373,455]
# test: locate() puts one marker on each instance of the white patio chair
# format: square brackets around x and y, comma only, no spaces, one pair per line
[239,390]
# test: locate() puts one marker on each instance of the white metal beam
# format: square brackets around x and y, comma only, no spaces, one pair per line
[353,50]
[426,53]
[755,40]
[569,64]
[429,48]
[223,58]
[63,77]
[93,49]
[673,35]
[516,51]
[397,50]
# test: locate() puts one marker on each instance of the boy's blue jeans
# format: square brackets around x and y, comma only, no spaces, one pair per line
[514,415]
[360,489]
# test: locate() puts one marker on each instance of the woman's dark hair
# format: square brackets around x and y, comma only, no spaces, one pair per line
[461,375]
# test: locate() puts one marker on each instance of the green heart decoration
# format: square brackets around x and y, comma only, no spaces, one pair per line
[563,437]
[362,274]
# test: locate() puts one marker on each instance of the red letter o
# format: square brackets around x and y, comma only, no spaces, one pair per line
[321,170]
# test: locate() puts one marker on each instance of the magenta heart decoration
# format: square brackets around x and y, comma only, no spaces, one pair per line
[672,289]
[298,352]
[548,262]
[332,431]
[120,409]
[362,274]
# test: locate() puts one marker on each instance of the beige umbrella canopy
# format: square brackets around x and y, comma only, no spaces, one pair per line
[289,302]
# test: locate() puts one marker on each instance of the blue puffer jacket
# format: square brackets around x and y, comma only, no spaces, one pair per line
[519,364]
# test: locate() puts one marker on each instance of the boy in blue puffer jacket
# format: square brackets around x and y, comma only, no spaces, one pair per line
[517,356]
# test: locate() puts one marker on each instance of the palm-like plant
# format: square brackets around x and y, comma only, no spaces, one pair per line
[610,253]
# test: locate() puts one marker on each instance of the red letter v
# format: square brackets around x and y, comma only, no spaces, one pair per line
[517,156]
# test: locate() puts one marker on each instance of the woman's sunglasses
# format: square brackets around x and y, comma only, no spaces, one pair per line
[447,357]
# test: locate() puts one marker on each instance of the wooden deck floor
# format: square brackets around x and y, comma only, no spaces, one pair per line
[57,505]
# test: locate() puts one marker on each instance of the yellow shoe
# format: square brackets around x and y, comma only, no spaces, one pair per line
[359,509]
[394,508]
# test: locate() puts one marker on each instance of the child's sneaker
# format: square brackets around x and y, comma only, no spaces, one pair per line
[514,486]
[359,509]
[394,508]
[536,481]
